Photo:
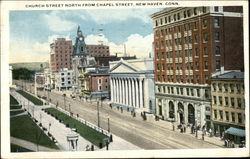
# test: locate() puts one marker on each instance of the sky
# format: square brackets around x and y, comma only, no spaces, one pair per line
[31,32]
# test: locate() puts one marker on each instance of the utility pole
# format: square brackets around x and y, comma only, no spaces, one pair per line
[64,101]
[98,117]
[108,125]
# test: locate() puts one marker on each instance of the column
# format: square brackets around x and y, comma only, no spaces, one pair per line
[130,92]
[117,90]
[137,92]
[141,93]
[185,104]
[111,90]
[123,90]
[133,93]
[126,91]
[120,91]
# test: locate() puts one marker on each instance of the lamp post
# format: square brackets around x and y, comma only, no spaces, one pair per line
[108,124]
[196,130]
[64,95]
[98,115]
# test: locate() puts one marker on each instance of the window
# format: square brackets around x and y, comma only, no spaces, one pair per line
[221,115]
[217,50]
[174,17]
[178,16]
[161,21]
[232,102]
[214,87]
[195,38]
[232,88]
[220,100]
[69,82]
[181,89]
[184,14]
[204,9]
[239,102]
[172,90]
[195,11]
[233,116]
[166,20]
[215,114]
[196,52]
[216,9]
[205,37]
[225,87]
[62,74]
[215,100]
[169,19]
[239,118]
[62,79]
[204,23]
[195,25]
[217,64]
[217,36]
[220,87]
[226,101]
[216,22]
[192,92]
[99,81]
[100,87]
[164,89]
[227,116]
[187,89]
[205,50]
[198,92]
[206,94]
[197,64]
[238,88]
[206,65]
[188,13]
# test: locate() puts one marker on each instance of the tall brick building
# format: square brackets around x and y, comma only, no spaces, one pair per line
[98,50]
[60,54]
[190,44]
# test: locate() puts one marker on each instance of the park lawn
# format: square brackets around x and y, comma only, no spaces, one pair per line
[13,100]
[85,131]
[16,112]
[33,99]
[15,107]
[17,148]
[23,127]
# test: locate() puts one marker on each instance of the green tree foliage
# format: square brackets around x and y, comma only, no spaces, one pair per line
[23,73]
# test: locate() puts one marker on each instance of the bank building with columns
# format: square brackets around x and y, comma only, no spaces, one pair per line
[132,85]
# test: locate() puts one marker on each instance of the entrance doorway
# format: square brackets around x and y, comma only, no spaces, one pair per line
[181,113]
[191,115]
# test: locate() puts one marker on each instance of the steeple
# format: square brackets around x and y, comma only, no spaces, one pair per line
[80,46]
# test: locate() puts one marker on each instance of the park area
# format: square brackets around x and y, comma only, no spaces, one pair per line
[23,127]
[30,97]
[90,134]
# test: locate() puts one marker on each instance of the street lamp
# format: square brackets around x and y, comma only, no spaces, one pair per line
[196,130]
[108,124]
[98,115]
[64,95]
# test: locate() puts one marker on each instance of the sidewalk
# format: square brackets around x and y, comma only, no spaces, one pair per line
[29,145]
[60,132]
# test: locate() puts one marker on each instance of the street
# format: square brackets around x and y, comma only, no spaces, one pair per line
[148,134]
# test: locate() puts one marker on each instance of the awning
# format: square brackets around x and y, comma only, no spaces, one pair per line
[236,132]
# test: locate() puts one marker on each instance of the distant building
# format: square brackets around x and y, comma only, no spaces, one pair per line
[190,43]
[104,60]
[98,50]
[60,54]
[96,83]
[63,79]
[39,81]
[228,101]
[132,84]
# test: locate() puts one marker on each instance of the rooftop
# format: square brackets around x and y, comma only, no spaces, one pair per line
[233,74]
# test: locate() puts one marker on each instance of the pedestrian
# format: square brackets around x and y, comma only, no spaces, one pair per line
[184,128]
[92,147]
[202,135]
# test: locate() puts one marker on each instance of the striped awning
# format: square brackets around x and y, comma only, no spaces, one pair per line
[236,132]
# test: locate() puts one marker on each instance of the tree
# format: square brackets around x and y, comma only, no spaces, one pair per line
[22,73]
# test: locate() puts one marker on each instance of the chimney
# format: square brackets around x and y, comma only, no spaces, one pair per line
[222,69]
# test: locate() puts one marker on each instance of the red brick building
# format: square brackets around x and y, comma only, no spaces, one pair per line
[60,54]
[189,45]
[98,50]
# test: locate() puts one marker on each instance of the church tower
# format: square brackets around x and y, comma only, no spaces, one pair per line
[80,48]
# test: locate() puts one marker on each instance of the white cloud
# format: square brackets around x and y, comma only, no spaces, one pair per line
[135,44]
[107,16]
[57,23]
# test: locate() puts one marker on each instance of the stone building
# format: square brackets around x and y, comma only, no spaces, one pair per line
[132,84]
[190,43]
[98,50]
[63,79]
[60,54]
[228,101]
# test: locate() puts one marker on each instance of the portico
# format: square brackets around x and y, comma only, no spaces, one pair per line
[131,84]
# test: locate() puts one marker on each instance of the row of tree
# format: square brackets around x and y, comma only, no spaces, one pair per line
[23,74]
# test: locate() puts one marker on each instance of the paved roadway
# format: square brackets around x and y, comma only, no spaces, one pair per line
[144,134]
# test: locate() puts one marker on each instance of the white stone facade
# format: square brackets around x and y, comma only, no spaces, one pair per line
[183,103]
[132,84]
[64,79]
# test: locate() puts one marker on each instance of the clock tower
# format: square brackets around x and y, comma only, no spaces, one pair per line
[80,45]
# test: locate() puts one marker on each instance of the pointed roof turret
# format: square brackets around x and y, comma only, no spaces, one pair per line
[80,46]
